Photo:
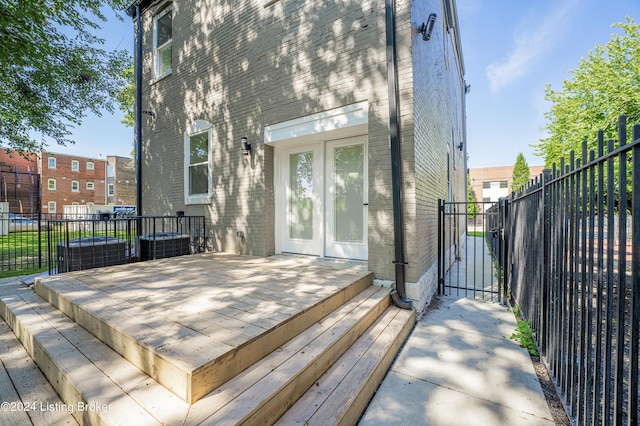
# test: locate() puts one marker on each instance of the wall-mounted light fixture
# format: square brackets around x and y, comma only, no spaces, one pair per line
[427,27]
[460,146]
[467,88]
[246,147]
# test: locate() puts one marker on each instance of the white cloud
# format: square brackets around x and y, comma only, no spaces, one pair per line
[531,44]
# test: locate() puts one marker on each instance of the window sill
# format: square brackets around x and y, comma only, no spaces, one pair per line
[204,199]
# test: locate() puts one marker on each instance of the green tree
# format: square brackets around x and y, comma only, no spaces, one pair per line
[472,207]
[53,69]
[521,174]
[126,97]
[602,87]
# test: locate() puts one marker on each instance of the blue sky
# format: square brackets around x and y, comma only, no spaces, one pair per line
[511,50]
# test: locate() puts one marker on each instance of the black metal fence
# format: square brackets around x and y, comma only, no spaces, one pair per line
[466,263]
[31,243]
[77,244]
[573,266]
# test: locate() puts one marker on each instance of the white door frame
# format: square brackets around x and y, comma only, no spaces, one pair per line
[343,122]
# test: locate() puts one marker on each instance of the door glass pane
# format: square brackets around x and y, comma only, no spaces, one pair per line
[349,194]
[300,199]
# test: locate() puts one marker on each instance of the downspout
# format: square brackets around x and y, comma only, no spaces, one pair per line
[138,69]
[399,295]
[135,12]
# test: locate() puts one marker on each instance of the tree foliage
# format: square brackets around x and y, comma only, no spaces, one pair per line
[126,97]
[521,174]
[603,86]
[472,207]
[53,69]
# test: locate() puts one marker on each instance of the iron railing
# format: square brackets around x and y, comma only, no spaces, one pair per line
[466,263]
[573,266]
[77,244]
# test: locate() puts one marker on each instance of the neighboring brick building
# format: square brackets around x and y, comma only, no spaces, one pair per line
[19,182]
[306,83]
[489,184]
[121,181]
[70,179]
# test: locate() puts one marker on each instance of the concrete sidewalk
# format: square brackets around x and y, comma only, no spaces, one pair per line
[459,367]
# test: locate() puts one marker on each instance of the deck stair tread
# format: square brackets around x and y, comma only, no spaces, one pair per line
[83,370]
[190,353]
[21,382]
[277,379]
[342,393]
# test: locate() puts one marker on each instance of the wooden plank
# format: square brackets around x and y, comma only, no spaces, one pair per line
[76,379]
[346,403]
[12,414]
[225,393]
[277,391]
[31,386]
[159,401]
[311,401]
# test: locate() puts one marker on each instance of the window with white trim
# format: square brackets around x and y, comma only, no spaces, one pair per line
[51,206]
[162,36]
[75,186]
[90,186]
[75,166]
[90,165]
[51,184]
[111,190]
[198,180]
[51,162]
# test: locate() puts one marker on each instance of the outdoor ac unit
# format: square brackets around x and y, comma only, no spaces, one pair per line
[164,244]
[90,252]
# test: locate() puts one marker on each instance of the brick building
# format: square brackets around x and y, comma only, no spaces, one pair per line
[274,120]
[19,182]
[121,181]
[69,180]
[489,184]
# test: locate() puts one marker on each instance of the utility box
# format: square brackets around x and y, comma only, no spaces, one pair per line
[164,244]
[90,252]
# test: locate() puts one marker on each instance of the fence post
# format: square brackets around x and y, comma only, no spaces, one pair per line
[504,252]
[546,270]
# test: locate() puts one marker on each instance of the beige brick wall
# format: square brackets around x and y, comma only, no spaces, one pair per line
[242,67]
[438,91]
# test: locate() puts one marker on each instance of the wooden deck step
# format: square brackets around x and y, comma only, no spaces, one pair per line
[84,371]
[341,395]
[191,357]
[263,392]
[23,384]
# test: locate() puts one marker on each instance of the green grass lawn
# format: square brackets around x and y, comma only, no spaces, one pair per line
[19,252]
[476,234]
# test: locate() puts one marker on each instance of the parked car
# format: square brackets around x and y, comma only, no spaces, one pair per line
[19,223]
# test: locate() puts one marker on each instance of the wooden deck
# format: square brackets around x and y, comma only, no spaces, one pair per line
[246,336]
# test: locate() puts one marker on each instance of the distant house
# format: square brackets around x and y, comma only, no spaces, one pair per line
[278,121]
[121,181]
[46,182]
[489,184]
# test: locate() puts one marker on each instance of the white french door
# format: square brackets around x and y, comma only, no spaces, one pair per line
[325,198]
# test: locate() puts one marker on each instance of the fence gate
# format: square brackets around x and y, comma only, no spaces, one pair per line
[471,243]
